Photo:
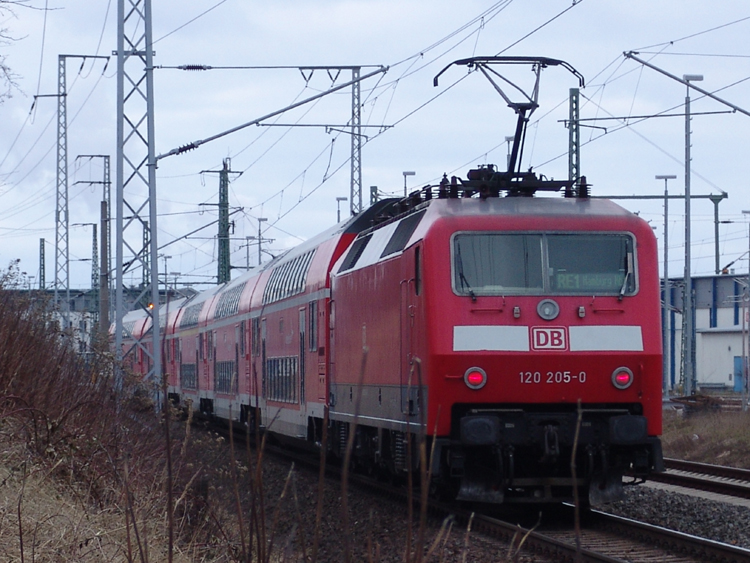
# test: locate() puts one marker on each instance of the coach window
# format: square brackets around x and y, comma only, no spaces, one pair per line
[255,329]
[313,320]
[200,346]
[264,367]
[302,326]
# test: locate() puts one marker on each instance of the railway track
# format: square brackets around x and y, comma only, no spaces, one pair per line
[608,538]
[604,538]
[729,481]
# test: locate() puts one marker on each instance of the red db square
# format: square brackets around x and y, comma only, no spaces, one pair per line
[549,338]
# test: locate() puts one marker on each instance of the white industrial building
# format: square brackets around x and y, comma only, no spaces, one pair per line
[721,336]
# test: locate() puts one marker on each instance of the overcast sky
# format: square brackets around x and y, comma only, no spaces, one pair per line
[293,175]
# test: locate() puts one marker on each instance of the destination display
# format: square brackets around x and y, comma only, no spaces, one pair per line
[604,281]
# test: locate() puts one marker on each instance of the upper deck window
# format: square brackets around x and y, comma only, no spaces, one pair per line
[229,302]
[540,263]
[288,278]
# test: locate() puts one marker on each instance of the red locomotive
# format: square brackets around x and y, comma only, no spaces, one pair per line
[513,333]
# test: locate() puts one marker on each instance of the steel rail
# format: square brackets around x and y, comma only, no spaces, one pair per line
[708,469]
[679,543]
[705,478]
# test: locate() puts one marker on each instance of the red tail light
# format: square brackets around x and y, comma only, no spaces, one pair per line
[622,378]
[475,378]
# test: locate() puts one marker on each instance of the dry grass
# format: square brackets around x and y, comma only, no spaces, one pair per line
[713,437]
[85,479]
[68,451]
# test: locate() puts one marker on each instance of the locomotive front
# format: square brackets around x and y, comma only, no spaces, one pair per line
[546,348]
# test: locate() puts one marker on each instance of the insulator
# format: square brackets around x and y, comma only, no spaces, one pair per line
[443,191]
[186,148]
[454,187]
[583,188]
[194,67]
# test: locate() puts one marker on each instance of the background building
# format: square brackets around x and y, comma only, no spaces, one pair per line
[721,332]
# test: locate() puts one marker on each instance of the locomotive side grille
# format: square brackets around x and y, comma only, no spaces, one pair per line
[354,253]
[402,234]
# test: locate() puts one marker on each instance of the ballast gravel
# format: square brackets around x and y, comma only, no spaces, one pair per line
[378,526]
[719,521]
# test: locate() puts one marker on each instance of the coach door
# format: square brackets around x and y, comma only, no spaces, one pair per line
[301,362]
[409,370]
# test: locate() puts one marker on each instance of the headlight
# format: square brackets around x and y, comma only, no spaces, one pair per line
[622,378]
[475,378]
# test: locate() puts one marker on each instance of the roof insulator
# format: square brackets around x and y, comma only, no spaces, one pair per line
[583,188]
[454,187]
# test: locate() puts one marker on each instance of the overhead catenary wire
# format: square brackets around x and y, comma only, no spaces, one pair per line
[41,135]
[325,178]
[190,21]
[629,125]
[692,35]
[41,51]
[420,107]
[376,110]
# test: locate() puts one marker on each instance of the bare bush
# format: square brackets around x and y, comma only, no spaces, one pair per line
[62,423]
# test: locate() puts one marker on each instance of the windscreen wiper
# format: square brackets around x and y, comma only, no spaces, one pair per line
[461,277]
[628,273]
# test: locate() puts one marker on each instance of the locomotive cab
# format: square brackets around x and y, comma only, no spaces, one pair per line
[551,359]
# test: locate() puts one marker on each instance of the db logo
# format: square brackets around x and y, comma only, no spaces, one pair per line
[549,338]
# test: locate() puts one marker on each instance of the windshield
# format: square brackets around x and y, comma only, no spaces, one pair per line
[535,263]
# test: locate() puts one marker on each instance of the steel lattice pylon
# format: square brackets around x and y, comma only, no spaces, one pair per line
[224,273]
[106,297]
[62,219]
[136,172]
[355,191]
[62,216]
[95,276]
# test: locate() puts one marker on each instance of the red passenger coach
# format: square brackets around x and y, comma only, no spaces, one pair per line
[257,348]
